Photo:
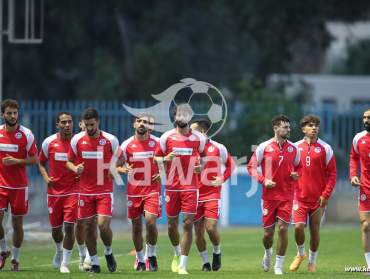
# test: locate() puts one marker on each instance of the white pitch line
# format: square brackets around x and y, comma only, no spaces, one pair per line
[72,262]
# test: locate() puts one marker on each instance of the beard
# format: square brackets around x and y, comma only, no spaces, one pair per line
[367,127]
[141,130]
[11,124]
[285,136]
[91,132]
[181,124]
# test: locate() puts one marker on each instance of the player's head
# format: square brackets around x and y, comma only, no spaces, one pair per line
[9,112]
[310,125]
[281,126]
[81,124]
[202,126]
[182,114]
[151,123]
[366,120]
[64,123]
[90,117]
[142,124]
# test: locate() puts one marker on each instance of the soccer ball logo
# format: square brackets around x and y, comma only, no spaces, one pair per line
[203,99]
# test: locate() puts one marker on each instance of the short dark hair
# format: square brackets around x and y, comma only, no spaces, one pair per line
[174,110]
[9,103]
[276,121]
[62,113]
[90,113]
[307,119]
[149,116]
[204,124]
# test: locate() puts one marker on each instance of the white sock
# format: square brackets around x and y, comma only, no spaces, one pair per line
[177,250]
[3,246]
[279,261]
[16,253]
[300,249]
[217,249]
[82,250]
[140,256]
[268,252]
[87,258]
[95,260]
[367,257]
[204,256]
[59,247]
[312,256]
[108,250]
[66,257]
[183,261]
[151,250]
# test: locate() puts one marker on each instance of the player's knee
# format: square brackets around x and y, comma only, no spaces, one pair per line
[366,227]
[299,227]
[104,226]
[211,228]
[283,229]
[188,225]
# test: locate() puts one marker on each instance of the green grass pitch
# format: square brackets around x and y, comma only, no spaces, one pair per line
[241,257]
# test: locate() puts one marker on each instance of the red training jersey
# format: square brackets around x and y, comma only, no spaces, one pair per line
[96,154]
[360,160]
[54,150]
[19,144]
[318,171]
[275,162]
[215,158]
[140,154]
[180,173]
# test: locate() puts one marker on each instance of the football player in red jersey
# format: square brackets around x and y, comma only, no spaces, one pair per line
[180,150]
[278,159]
[17,150]
[90,152]
[143,189]
[215,156]
[313,189]
[360,161]
[62,189]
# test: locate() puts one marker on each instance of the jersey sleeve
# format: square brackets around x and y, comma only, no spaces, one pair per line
[44,153]
[331,173]
[255,164]
[72,153]
[161,148]
[354,161]
[31,145]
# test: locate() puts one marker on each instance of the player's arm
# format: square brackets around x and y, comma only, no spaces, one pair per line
[331,172]
[296,173]
[252,168]
[229,167]
[42,168]
[354,162]
[9,160]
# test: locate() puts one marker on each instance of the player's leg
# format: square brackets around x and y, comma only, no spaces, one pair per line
[104,207]
[364,214]
[211,214]
[18,235]
[214,236]
[69,219]
[200,241]
[268,222]
[4,250]
[151,212]
[173,210]
[299,219]
[56,223]
[87,218]
[137,238]
[189,201]
[85,261]
[284,212]
[315,221]
[19,208]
